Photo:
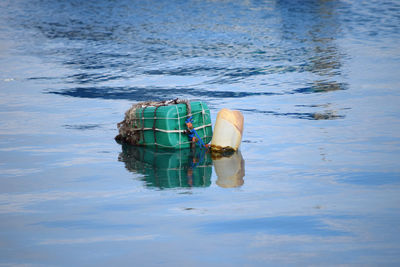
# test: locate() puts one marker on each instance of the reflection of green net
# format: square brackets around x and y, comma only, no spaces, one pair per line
[165,168]
[132,135]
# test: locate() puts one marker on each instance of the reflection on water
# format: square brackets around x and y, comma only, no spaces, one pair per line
[280,38]
[168,168]
[165,168]
[230,170]
[276,49]
[312,27]
[316,80]
[325,115]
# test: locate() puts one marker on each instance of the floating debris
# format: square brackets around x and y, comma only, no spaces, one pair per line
[169,124]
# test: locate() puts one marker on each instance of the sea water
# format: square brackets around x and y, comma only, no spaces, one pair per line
[318,178]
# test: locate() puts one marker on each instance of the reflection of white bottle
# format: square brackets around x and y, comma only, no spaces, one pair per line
[230,170]
[228,130]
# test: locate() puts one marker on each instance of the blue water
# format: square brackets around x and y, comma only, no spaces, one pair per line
[317,82]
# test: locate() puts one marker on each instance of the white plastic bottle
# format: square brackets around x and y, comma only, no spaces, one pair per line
[228,131]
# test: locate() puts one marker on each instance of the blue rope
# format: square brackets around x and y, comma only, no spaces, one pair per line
[192,133]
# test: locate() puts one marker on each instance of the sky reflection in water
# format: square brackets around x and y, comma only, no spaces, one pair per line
[317,178]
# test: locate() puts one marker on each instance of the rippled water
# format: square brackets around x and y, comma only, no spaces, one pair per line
[318,178]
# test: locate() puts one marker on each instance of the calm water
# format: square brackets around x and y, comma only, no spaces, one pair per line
[317,81]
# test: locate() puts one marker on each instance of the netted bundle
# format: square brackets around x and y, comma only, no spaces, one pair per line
[164,123]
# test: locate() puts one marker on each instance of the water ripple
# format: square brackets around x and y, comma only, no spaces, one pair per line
[326,115]
[162,93]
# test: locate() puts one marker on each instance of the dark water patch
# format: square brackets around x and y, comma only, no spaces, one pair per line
[282,225]
[185,71]
[86,65]
[321,87]
[131,93]
[42,78]
[76,31]
[314,106]
[327,115]
[85,78]
[153,93]
[330,115]
[234,75]
[159,93]
[244,72]
[87,60]
[326,61]
[82,127]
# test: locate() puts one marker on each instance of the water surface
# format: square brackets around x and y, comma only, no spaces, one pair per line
[318,178]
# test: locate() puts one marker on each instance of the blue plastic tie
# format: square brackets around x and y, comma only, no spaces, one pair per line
[192,133]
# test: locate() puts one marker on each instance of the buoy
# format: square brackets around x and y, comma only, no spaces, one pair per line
[230,170]
[228,131]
